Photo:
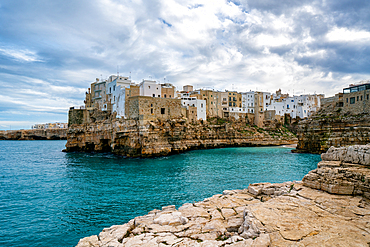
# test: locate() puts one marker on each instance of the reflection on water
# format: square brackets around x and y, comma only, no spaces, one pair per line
[52,198]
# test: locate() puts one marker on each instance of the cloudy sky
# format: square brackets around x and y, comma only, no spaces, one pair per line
[50,51]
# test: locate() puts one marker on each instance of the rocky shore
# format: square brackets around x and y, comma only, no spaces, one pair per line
[330,207]
[135,138]
[34,134]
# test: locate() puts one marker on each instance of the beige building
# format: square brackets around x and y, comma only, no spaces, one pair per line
[98,94]
[213,102]
[356,98]
[168,90]
[153,108]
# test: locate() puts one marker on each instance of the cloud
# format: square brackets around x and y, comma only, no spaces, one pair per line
[51,51]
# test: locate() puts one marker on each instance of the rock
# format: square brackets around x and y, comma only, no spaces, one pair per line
[262,241]
[296,214]
[101,132]
[336,176]
[255,190]
[249,228]
[91,241]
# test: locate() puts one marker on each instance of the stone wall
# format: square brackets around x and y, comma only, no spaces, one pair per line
[151,108]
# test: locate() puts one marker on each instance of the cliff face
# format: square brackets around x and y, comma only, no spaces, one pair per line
[135,138]
[343,171]
[332,128]
[34,134]
[286,214]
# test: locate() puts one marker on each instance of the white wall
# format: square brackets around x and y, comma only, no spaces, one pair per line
[201,105]
[150,88]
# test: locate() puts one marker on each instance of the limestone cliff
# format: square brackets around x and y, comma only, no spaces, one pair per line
[287,214]
[34,134]
[343,171]
[137,138]
[332,127]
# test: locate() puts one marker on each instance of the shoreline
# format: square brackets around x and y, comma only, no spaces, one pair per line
[310,212]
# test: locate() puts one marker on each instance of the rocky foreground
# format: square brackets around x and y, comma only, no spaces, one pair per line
[287,214]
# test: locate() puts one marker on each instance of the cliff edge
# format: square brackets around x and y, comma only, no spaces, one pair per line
[139,138]
[287,214]
[331,126]
[34,134]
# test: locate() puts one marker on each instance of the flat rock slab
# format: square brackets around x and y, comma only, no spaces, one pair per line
[294,215]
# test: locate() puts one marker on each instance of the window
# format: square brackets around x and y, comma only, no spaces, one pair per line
[230,104]
[352,100]
[201,105]
[114,87]
[163,110]
[149,87]
[159,96]
[153,95]
[367,97]
[151,105]
[165,96]
[347,100]
[361,97]
[151,111]
[357,98]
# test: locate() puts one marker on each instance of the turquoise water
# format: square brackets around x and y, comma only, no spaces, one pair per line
[51,198]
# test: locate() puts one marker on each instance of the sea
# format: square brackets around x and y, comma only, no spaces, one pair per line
[52,198]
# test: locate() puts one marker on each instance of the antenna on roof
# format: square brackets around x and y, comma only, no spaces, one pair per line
[117,71]
[130,75]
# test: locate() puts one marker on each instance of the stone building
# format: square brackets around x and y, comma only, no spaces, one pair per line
[261,102]
[213,102]
[356,98]
[168,90]
[98,94]
[153,108]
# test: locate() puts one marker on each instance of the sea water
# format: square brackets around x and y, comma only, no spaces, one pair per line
[51,198]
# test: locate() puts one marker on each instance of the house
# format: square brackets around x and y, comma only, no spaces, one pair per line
[356,98]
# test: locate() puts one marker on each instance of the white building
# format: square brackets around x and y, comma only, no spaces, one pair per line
[248,102]
[200,104]
[150,88]
[301,106]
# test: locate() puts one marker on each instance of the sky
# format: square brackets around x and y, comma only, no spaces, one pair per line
[51,51]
